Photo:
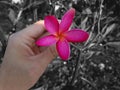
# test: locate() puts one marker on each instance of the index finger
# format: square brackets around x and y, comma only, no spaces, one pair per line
[34,30]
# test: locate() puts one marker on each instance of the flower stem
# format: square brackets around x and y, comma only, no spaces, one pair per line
[76,68]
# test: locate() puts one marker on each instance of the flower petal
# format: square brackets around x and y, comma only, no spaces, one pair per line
[63,49]
[67,20]
[51,24]
[46,41]
[76,35]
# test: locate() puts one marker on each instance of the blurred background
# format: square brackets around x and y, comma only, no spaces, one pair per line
[94,64]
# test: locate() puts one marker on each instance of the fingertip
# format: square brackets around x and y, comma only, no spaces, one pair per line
[40,22]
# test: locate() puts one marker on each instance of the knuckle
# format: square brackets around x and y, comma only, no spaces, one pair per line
[13,39]
[11,36]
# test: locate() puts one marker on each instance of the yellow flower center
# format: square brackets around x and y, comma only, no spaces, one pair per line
[60,36]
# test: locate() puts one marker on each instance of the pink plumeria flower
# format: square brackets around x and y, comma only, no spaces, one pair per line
[60,35]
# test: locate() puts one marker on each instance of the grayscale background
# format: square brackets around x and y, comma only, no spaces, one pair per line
[94,64]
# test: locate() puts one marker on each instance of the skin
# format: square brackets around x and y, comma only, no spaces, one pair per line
[24,62]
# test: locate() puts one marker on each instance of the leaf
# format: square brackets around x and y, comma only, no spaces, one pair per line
[87,11]
[114,44]
[11,15]
[83,23]
[2,37]
[17,1]
[109,29]
[3,42]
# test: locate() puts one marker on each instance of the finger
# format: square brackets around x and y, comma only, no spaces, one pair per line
[43,48]
[43,35]
[34,31]
[47,56]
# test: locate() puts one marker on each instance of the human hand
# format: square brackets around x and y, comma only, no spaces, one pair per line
[24,62]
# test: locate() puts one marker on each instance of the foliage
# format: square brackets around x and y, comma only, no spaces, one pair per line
[93,65]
